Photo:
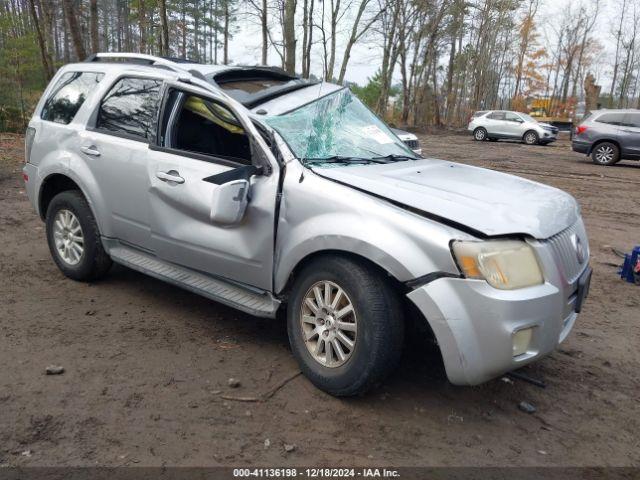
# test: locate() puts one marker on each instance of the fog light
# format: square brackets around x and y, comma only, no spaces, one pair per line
[521,341]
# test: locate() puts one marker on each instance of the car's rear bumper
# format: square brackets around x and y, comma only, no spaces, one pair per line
[30,175]
[580,147]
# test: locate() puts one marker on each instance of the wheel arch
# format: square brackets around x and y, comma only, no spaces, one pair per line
[357,257]
[604,140]
[52,185]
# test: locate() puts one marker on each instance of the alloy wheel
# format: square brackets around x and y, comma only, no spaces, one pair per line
[329,324]
[68,237]
[479,135]
[604,154]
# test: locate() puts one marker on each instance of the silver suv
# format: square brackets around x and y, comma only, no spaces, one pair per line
[500,124]
[269,193]
[609,136]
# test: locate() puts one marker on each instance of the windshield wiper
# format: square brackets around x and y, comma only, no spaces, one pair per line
[345,160]
[395,158]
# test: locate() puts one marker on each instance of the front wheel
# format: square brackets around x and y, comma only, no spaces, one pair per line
[345,325]
[531,138]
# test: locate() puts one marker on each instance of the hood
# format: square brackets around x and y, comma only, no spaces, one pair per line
[486,201]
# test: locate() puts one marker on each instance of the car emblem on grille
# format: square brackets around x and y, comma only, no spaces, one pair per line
[578,247]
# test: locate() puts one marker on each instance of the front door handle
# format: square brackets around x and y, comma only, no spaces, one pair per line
[90,150]
[170,176]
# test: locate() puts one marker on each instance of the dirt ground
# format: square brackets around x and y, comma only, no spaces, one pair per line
[147,364]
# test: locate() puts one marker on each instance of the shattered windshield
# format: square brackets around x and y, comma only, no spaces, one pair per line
[339,128]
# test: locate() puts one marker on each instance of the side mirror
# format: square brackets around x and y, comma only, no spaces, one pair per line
[229,202]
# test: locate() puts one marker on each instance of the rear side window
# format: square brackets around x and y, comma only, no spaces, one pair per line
[68,95]
[611,118]
[479,114]
[632,120]
[497,116]
[130,108]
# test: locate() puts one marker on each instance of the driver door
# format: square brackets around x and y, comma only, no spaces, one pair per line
[201,137]
[513,125]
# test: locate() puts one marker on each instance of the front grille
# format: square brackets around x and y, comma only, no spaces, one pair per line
[412,144]
[563,247]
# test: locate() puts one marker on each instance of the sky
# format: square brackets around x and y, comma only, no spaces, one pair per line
[245,48]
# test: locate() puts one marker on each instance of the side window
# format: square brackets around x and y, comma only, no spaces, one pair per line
[68,95]
[512,117]
[209,128]
[496,116]
[632,120]
[611,118]
[130,107]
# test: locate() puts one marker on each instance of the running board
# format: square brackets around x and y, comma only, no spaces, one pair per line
[252,301]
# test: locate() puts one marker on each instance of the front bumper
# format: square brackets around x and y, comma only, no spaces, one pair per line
[474,323]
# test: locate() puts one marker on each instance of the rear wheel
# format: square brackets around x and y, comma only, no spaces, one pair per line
[74,239]
[480,134]
[345,325]
[605,153]
[531,138]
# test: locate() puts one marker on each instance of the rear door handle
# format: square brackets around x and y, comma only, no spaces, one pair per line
[90,150]
[170,176]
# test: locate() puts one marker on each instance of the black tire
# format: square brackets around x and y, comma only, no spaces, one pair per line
[380,326]
[480,134]
[531,138]
[94,261]
[605,154]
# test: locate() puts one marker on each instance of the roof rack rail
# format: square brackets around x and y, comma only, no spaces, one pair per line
[137,57]
[194,76]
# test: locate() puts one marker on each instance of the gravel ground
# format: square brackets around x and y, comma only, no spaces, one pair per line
[147,365]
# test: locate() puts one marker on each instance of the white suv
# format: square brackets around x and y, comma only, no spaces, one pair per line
[270,193]
[500,124]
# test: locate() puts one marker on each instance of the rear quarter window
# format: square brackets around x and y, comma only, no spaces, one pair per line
[130,108]
[479,114]
[611,118]
[68,95]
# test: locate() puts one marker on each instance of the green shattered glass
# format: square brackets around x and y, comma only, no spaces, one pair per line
[337,124]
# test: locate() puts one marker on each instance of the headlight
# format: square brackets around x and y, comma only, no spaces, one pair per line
[504,264]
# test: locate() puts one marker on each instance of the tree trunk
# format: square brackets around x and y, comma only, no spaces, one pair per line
[93,11]
[289,32]
[44,54]
[264,26]
[142,25]
[165,28]
[225,53]
[72,22]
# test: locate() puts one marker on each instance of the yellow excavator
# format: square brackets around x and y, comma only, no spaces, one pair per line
[540,109]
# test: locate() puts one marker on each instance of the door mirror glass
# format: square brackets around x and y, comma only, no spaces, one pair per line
[229,202]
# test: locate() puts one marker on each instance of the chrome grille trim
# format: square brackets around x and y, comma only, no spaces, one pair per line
[565,253]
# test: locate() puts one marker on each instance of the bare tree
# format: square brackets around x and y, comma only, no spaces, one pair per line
[72,22]
[289,36]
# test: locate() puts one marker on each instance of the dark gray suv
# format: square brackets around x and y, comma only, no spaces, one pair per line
[609,136]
